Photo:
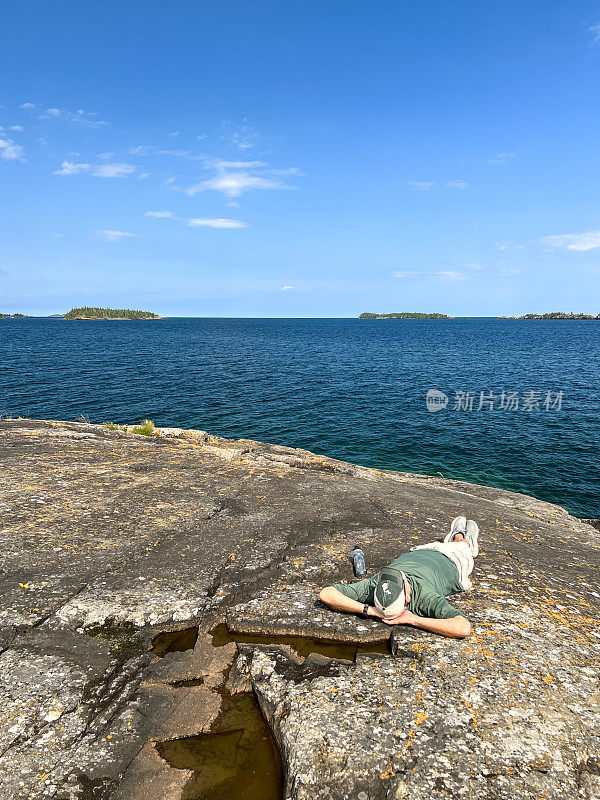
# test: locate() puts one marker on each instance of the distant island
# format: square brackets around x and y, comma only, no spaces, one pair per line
[404,315]
[555,315]
[109,313]
[13,316]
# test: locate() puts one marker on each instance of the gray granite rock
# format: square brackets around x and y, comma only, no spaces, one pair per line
[109,538]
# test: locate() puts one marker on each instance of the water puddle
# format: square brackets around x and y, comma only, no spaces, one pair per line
[125,642]
[174,641]
[303,645]
[237,759]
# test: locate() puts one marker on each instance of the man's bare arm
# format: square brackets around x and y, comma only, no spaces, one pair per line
[339,602]
[456,627]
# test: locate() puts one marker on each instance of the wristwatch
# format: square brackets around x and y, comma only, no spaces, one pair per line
[365,610]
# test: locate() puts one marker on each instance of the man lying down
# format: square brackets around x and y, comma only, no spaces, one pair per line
[413,589]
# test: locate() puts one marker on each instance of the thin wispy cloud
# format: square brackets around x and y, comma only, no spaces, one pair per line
[216,223]
[88,119]
[595,29]
[113,170]
[234,178]
[10,151]
[286,288]
[113,236]
[509,246]
[146,150]
[97,171]
[244,138]
[510,271]
[445,274]
[474,265]
[70,168]
[27,105]
[461,185]
[16,128]
[160,214]
[422,186]
[579,242]
[428,186]
[501,158]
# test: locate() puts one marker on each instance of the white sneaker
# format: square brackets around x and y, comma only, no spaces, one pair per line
[459,525]
[472,536]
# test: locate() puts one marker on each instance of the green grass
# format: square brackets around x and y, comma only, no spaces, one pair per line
[110,426]
[145,428]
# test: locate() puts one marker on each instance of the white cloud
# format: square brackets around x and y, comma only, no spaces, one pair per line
[81,117]
[217,223]
[501,158]
[422,186]
[10,151]
[174,134]
[427,186]
[580,242]
[160,214]
[143,175]
[448,275]
[140,150]
[245,138]
[472,265]
[234,184]
[286,288]
[510,271]
[27,105]
[16,128]
[105,156]
[509,246]
[113,236]
[69,168]
[595,29]
[462,185]
[113,170]
[58,236]
[219,164]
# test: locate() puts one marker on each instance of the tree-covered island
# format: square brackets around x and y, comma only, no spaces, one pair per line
[13,316]
[555,315]
[404,315]
[87,312]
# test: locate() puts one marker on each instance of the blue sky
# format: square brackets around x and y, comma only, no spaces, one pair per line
[300,158]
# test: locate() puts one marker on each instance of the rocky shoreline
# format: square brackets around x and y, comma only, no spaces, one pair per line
[112,539]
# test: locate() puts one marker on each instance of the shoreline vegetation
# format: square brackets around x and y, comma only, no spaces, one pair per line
[555,315]
[13,316]
[404,315]
[87,312]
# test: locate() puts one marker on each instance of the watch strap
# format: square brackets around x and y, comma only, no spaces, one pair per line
[366,610]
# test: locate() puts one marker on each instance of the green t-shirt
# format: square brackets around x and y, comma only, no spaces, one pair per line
[432,577]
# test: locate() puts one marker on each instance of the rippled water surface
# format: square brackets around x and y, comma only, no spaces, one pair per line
[352,389]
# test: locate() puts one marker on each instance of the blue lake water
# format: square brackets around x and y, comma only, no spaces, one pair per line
[351,389]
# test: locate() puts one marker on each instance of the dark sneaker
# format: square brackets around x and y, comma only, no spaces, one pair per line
[459,525]
[472,535]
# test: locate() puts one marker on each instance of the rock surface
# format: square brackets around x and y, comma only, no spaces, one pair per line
[109,538]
